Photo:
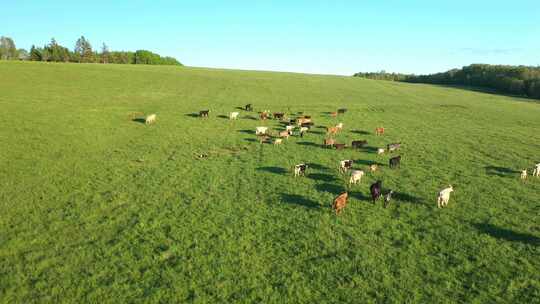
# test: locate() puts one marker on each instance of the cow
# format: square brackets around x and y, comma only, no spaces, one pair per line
[204,113]
[300,170]
[444,196]
[358,143]
[340,146]
[356,176]
[261,130]
[340,202]
[387,198]
[329,142]
[233,115]
[279,116]
[303,130]
[331,130]
[380,151]
[150,119]
[301,121]
[536,171]
[333,114]
[375,190]
[379,131]
[263,138]
[289,128]
[278,141]
[524,174]
[345,165]
[373,167]
[393,147]
[342,111]
[263,115]
[248,107]
[285,134]
[395,162]
[339,126]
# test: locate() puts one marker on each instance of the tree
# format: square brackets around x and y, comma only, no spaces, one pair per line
[23,54]
[35,54]
[105,54]
[8,51]
[83,48]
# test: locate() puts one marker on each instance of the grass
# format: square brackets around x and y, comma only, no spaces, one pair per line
[98,207]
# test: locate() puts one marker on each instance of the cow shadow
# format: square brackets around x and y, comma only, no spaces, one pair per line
[322,177]
[223,116]
[240,108]
[368,149]
[298,200]
[139,120]
[275,170]
[362,132]
[330,188]
[500,171]
[193,115]
[316,132]
[404,197]
[251,139]
[506,234]
[317,166]
[247,131]
[251,117]
[367,162]
[360,196]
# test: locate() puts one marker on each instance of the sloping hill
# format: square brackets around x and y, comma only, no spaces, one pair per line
[99,207]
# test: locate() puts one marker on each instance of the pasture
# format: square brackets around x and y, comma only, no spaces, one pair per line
[97,206]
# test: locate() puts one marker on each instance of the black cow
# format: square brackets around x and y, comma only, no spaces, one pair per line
[345,165]
[395,162]
[278,115]
[248,107]
[204,113]
[300,170]
[358,143]
[375,190]
[341,111]
[393,147]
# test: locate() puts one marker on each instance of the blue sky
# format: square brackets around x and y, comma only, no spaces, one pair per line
[330,37]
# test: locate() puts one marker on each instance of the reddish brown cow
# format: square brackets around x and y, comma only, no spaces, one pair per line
[379,131]
[340,202]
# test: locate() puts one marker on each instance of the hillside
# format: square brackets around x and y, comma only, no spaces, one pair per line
[99,207]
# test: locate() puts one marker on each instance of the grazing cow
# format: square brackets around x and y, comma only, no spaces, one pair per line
[278,141]
[395,162]
[264,138]
[300,170]
[289,128]
[248,107]
[375,190]
[345,165]
[204,113]
[279,116]
[340,146]
[536,171]
[379,131]
[356,176]
[373,167]
[261,130]
[285,134]
[358,143]
[331,130]
[340,202]
[339,126]
[387,198]
[380,151]
[393,147]
[524,174]
[150,119]
[303,130]
[444,196]
[263,115]
[342,111]
[329,142]
[301,121]
[233,115]
[333,114]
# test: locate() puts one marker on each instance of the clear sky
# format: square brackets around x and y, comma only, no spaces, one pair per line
[330,37]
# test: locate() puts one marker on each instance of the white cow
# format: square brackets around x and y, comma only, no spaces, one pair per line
[380,151]
[278,141]
[356,176]
[233,115]
[261,130]
[536,171]
[150,119]
[339,125]
[524,174]
[289,128]
[444,196]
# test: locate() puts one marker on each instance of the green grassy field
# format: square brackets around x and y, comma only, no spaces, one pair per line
[96,207]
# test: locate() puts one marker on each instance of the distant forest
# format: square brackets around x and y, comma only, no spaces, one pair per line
[82,53]
[506,79]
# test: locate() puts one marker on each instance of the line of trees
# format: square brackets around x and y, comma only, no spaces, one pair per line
[82,53]
[507,79]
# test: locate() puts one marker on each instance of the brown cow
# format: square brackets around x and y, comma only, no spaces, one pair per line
[263,115]
[329,142]
[340,202]
[379,131]
[285,134]
[340,146]
[333,114]
[332,130]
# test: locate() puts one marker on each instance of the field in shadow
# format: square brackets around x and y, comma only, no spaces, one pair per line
[506,234]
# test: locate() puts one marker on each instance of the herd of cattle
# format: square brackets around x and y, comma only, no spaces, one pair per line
[304,123]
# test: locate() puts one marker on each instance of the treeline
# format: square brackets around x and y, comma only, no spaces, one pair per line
[515,80]
[82,53]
